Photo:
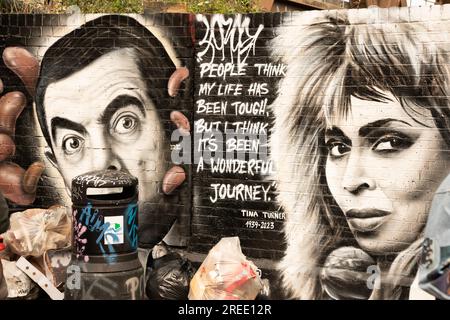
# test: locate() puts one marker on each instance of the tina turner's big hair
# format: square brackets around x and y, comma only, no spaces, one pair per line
[329,59]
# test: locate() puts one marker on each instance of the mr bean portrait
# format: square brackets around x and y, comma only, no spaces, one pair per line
[100,103]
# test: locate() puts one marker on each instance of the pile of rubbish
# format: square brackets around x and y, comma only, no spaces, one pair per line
[225,274]
[35,253]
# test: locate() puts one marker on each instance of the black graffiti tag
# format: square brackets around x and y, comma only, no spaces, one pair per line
[234,35]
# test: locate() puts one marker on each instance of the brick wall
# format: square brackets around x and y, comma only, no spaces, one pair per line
[351,192]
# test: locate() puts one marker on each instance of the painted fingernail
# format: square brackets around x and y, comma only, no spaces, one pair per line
[11,105]
[24,65]
[173,179]
[11,176]
[7,146]
[31,177]
[175,80]
[181,121]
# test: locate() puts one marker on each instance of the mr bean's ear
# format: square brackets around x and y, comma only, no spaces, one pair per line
[51,157]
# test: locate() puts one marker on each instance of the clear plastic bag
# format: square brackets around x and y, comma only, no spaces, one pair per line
[226,274]
[34,231]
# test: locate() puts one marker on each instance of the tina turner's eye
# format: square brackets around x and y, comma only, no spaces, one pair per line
[392,142]
[337,148]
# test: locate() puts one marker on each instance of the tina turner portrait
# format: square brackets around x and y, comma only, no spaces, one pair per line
[361,142]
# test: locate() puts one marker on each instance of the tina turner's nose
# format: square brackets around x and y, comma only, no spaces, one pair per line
[355,179]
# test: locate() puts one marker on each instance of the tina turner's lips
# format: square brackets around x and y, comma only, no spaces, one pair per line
[366,220]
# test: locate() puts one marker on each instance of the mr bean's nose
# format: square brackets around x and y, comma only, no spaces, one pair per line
[114,163]
[105,158]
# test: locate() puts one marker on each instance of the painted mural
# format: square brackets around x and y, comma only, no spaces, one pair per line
[234,85]
[123,90]
[318,138]
[361,143]
[102,111]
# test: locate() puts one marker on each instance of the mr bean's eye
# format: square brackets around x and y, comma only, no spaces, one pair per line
[72,144]
[337,149]
[392,143]
[125,124]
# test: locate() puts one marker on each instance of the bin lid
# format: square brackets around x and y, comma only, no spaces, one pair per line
[104,185]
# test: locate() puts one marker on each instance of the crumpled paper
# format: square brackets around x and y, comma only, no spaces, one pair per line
[17,282]
[3,286]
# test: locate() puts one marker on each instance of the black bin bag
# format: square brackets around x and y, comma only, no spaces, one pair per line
[168,277]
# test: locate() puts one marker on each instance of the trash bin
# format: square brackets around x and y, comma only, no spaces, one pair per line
[105,262]
[434,268]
